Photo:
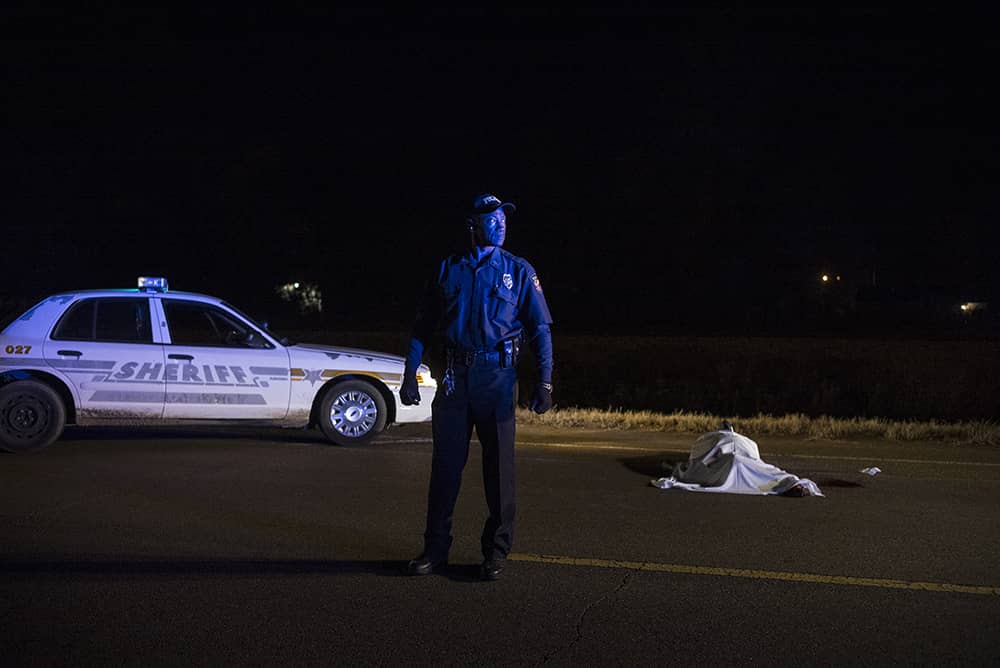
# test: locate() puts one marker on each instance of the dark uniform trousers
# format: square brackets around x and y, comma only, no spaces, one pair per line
[483,398]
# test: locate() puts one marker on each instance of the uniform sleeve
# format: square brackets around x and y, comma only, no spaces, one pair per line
[537,321]
[426,321]
[541,345]
[534,311]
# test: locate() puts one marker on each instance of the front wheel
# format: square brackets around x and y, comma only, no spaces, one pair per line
[32,416]
[352,413]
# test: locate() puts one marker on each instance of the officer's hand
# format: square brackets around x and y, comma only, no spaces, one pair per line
[409,393]
[542,401]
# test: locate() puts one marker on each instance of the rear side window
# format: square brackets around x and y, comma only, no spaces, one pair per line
[116,320]
[77,323]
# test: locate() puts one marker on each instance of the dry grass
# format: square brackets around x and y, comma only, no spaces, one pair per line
[898,379]
[823,427]
[940,390]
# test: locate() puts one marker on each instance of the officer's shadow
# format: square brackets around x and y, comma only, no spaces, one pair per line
[460,572]
[454,572]
[116,566]
[656,466]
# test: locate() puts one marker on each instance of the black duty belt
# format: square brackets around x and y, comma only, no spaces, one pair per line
[505,354]
[476,357]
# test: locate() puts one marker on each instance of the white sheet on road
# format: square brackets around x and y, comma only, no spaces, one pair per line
[725,461]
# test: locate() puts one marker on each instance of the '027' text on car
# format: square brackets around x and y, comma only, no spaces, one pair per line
[154,356]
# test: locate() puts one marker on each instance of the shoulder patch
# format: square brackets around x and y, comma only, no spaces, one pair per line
[536,282]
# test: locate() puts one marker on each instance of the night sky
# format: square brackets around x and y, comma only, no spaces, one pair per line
[676,171]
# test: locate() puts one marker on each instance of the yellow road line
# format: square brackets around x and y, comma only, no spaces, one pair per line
[757,575]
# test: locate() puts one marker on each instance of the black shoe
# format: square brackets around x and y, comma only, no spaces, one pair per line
[491,569]
[425,565]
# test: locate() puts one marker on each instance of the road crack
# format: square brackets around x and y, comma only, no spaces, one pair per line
[583,616]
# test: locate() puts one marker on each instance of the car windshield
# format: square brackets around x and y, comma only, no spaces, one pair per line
[283,340]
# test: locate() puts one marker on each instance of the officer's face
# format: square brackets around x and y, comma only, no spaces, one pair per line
[490,229]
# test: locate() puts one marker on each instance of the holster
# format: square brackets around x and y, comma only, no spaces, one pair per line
[510,351]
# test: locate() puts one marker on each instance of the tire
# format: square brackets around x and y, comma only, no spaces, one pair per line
[352,413]
[32,416]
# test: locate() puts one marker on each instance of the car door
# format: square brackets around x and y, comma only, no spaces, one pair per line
[104,347]
[219,366]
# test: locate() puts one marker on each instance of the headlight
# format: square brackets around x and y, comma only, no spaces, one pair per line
[424,376]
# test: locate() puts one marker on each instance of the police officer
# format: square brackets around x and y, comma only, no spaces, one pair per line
[485,304]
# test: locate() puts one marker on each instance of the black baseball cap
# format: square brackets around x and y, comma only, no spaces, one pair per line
[488,203]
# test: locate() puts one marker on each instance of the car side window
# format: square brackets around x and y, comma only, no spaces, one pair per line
[114,320]
[198,324]
[77,323]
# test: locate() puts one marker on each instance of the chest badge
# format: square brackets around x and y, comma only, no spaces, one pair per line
[508,281]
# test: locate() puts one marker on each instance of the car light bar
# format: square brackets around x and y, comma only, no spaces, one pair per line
[153,283]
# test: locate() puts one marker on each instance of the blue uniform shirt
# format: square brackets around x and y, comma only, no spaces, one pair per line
[478,305]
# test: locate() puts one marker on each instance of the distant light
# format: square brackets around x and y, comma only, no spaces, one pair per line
[838,277]
[307,296]
[825,278]
[970,307]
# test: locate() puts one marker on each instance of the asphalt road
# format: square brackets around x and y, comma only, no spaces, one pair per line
[248,547]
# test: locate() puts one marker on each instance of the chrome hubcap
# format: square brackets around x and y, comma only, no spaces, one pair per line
[353,413]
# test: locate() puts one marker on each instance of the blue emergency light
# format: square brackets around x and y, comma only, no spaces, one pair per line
[153,283]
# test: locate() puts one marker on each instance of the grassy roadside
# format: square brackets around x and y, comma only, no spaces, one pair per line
[985,433]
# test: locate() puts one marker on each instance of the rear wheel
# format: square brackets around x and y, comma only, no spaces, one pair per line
[32,416]
[352,413]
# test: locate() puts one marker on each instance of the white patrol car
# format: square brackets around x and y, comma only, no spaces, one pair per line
[149,355]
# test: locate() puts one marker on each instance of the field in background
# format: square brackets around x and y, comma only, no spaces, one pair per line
[895,380]
[974,432]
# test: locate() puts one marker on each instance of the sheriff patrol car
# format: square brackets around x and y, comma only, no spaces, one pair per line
[151,355]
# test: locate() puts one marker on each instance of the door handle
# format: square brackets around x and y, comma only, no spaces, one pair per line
[178,356]
[70,353]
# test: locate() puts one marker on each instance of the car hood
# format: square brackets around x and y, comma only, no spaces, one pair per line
[337,352]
